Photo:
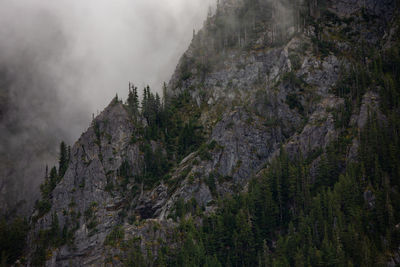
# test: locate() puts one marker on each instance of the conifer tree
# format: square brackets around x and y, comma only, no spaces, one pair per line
[63,160]
[133,100]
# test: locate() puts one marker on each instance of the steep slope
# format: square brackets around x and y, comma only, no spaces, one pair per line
[260,117]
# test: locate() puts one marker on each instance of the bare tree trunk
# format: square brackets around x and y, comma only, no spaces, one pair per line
[245,35]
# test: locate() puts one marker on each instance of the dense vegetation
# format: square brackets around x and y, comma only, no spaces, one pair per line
[171,122]
[12,239]
[347,215]
[346,212]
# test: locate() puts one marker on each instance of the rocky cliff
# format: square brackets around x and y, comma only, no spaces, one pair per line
[257,92]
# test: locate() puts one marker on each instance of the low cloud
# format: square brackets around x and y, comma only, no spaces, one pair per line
[61,61]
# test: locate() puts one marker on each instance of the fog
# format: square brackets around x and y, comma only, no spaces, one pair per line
[91,49]
[62,60]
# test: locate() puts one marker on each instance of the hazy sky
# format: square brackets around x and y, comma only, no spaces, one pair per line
[62,60]
[90,49]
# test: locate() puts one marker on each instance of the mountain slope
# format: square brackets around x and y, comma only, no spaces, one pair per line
[275,144]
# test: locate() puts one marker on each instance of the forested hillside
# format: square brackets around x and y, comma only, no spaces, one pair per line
[275,143]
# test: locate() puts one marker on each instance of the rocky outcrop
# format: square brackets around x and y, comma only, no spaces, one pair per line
[252,103]
[319,132]
[83,201]
[369,107]
[248,117]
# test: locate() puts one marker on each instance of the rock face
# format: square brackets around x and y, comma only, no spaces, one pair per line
[253,104]
[379,8]
[81,198]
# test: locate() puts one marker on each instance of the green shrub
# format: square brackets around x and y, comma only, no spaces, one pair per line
[212,145]
[296,61]
[210,182]
[43,206]
[293,102]
[203,152]
[115,236]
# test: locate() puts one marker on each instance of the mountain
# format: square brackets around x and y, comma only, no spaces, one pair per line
[275,144]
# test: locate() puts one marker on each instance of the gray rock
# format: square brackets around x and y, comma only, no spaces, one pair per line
[246,111]
[369,105]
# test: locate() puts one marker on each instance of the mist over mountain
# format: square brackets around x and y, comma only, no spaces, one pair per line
[274,143]
[62,61]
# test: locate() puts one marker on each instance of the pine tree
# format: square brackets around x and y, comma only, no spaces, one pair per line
[53,178]
[63,160]
[133,100]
